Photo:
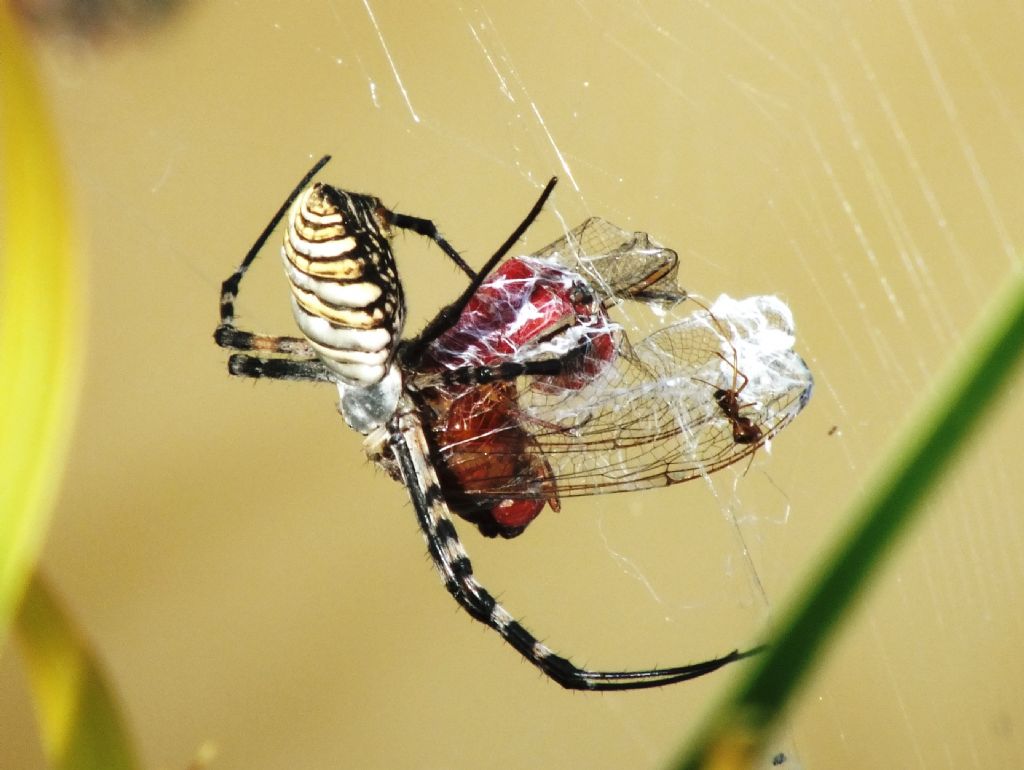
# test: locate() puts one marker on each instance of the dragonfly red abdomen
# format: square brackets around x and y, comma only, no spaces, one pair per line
[483,422]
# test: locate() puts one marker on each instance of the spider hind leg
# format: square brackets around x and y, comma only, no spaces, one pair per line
[409,449]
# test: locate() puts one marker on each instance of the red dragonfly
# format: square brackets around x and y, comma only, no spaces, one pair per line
[525,306]
[618,414]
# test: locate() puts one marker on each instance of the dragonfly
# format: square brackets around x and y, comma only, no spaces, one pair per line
[525,389]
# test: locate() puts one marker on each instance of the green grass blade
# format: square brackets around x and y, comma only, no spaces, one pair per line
[737,732]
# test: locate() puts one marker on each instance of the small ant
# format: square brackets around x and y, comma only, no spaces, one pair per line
[744,429]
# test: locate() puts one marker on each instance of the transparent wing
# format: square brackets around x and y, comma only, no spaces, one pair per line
[618,263]
[653,415]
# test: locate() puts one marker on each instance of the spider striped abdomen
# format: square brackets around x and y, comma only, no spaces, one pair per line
[346,296]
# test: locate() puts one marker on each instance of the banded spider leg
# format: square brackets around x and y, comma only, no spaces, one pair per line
[409,449]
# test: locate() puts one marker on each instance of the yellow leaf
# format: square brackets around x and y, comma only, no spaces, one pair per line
[40,356]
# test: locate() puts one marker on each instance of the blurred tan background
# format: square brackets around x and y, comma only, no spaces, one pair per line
[252,582]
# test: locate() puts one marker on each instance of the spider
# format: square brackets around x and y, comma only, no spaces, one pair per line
[520,392]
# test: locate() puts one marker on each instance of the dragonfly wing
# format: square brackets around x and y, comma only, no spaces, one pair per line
[618,263]
[650,417]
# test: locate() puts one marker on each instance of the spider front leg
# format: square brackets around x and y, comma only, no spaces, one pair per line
[284,358]
[410,452]
[510,370]
[296,370]
[413,350]
[428,229]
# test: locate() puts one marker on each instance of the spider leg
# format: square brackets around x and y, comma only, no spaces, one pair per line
[409,448]
[480,375]
[232,338]
[295,359]
[295,369]
[229,289]
[509,370]
[449,315]
[226,334]
[428,229]
[298,357]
